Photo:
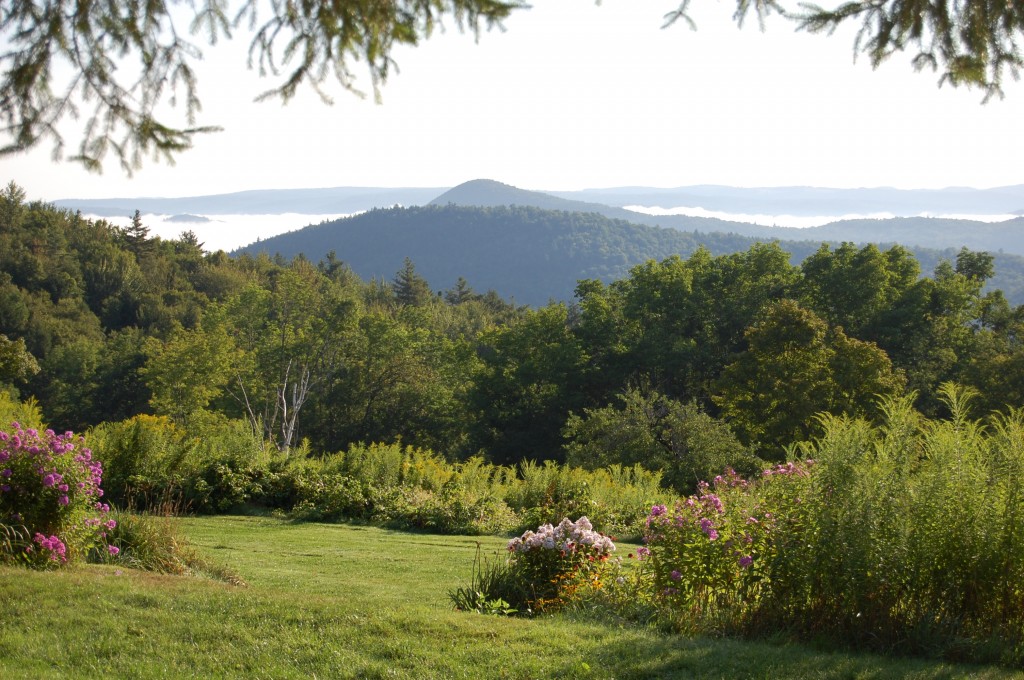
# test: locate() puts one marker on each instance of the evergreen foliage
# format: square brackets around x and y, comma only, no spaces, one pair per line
[120,64]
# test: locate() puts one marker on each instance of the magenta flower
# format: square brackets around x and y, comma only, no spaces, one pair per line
[675,575]
[113,549]
[63,500]
[746,561]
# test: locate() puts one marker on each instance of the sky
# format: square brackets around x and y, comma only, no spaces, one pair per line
[575,95]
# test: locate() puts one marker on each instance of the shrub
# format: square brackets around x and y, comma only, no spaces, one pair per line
[554,560]
[50,507]
[615,498]
[543,570]
[144,459]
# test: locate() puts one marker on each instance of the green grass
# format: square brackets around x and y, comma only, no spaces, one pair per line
[332,601]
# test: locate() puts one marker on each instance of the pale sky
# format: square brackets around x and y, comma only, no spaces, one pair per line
[574,95]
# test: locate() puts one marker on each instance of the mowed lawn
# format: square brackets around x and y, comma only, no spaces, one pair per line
[337,601]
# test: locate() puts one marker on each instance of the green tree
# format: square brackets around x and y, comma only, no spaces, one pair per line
[794,368]
[411,288]
[528,383]
[648,429]
[191,369]
[292,337]
[16,363]
[399,379]
[855,287]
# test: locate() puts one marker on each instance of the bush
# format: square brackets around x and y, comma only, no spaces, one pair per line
[50,507]
[615,498]
[554,560]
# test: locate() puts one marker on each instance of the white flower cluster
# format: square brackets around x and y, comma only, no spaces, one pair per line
[568,536]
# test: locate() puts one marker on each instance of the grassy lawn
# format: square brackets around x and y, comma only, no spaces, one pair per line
[327,601]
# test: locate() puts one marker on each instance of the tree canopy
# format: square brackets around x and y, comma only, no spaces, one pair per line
[117,65]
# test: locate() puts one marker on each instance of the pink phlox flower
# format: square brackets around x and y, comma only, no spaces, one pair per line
[675,575]
[746,561]
[113,549]
[715,502]
[708,527]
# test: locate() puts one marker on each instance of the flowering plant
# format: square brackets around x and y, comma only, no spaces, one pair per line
[50,490]
[710,550]
[555,560]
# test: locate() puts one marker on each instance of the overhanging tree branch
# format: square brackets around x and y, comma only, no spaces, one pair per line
[128,62]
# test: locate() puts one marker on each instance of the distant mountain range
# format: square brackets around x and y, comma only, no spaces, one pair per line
[908,228]
[262,202]
[927,232]
[816,201]
[531,254]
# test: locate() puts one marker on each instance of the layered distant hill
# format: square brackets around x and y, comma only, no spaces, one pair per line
[528,253]
[928,232]
[828,206]
[535,245]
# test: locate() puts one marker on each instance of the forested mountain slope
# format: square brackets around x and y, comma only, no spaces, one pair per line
[920,232]
[530,254]
[526,253]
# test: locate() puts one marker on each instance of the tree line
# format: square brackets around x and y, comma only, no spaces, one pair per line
[685,365]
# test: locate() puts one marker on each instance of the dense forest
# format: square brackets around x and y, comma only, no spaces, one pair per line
[683,364]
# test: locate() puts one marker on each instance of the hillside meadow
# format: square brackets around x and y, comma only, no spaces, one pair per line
[354,601]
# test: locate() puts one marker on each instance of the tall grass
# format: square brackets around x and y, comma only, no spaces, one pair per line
[219,466]
[904,537]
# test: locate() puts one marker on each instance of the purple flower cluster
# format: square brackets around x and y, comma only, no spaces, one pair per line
[51,486]
[58,551]
[790,468]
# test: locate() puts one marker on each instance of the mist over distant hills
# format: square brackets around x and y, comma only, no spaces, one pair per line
[258,202]
[908,229]
[815,200]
